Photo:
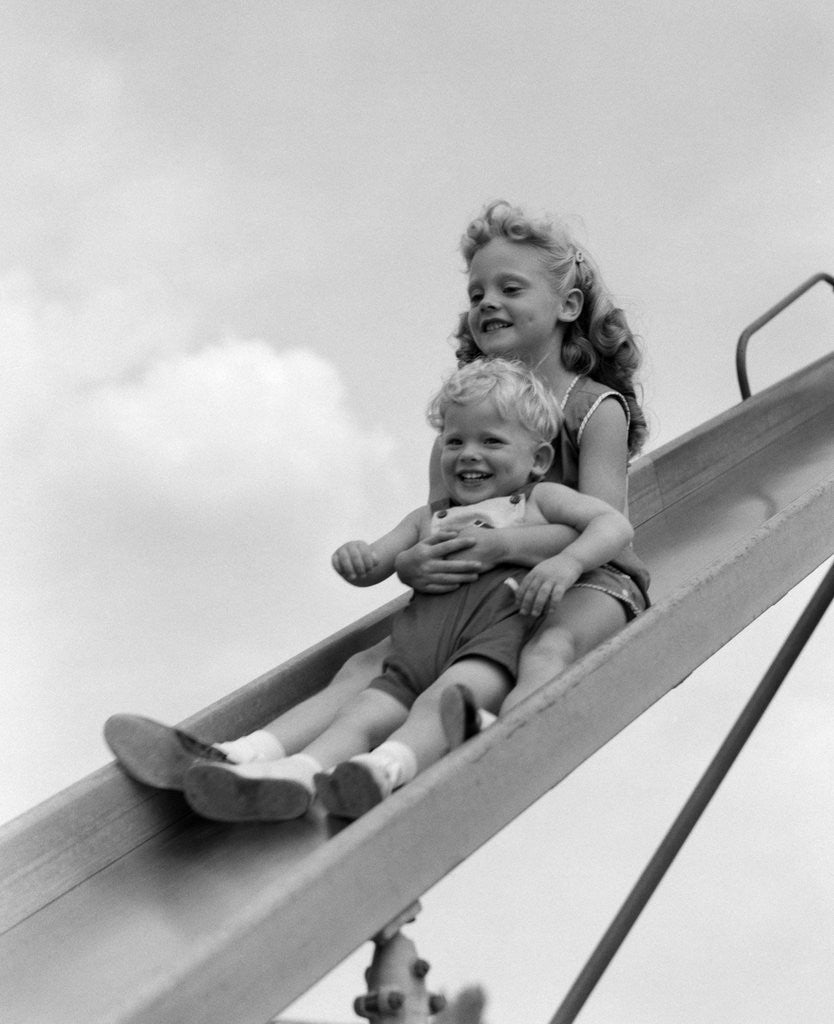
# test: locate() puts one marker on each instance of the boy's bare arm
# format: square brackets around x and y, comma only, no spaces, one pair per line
[364,564]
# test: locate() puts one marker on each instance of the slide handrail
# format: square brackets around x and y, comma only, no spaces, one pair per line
[748,332]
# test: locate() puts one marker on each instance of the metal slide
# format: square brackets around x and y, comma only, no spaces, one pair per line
[117,904]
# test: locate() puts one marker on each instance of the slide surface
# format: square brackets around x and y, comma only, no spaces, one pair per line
[117,904]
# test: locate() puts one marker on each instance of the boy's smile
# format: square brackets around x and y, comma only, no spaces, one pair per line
[484,455]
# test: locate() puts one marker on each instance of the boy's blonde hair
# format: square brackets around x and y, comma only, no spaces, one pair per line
[518,395]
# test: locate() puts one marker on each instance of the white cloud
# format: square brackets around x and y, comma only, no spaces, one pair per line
[170,531]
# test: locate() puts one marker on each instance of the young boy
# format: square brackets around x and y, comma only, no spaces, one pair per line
[496,422]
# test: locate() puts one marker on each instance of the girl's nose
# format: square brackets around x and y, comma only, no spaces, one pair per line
[488,302]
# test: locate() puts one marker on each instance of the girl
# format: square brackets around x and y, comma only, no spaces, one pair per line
[496,422]
[533,295]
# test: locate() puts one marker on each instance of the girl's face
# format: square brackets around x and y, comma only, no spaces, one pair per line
[514,308]
[483,455]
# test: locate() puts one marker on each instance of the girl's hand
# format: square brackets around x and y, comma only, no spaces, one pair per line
[429,567]
[547,583]
[354,560]
[488,547]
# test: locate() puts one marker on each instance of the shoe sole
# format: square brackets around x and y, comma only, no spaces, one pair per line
[219,793]
[155,754]
[349,791]
[458,715]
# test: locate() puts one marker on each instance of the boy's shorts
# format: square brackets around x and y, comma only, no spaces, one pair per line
[435,630]
[477,620]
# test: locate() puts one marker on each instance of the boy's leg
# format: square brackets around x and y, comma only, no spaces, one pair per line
[354,786]
[302,724]
[284,789]
[159,755]
[579,622]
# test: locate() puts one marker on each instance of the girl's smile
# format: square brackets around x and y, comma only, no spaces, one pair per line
[514,309]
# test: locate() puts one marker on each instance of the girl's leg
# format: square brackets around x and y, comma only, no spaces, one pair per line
[579,622]
[282,789]
[355,786]
[159,755]
[583,619]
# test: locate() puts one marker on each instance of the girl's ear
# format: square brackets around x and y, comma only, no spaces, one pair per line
[572,305]
[542,460]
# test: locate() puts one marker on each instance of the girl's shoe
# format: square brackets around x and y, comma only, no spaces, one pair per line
[258,791]
[353,787]
[459,714]
[156,754]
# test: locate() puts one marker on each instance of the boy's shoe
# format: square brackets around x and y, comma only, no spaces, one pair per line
[258,791]
[353,787]
[459,714]
[156,754]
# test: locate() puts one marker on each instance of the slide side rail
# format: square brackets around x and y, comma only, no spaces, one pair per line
[748,332]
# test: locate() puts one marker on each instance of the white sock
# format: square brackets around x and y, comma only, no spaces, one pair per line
[297,768]
[485,719]
[257,746]
[397,760]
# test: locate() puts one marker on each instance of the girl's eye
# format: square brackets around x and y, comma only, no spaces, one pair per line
[475,298]
[511,289]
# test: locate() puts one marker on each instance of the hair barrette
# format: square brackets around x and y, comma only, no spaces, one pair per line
[579,256]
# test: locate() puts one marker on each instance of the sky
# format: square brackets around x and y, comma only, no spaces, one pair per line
[227,285]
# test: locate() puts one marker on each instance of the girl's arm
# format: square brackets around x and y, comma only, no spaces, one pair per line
[603,533]
[364,564]
[517,545]
[435,565]
[603,455]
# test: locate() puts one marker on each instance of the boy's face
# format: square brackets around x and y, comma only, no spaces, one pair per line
[483,455]
[514,310]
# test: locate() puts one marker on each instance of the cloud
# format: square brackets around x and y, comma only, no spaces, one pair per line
[170,529]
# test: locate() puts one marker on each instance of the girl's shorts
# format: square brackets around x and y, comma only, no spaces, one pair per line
[616,584]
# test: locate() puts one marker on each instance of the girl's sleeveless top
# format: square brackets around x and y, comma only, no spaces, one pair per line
[582,399]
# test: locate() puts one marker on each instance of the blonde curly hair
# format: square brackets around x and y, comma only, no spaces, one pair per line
[599,343]
[518,395]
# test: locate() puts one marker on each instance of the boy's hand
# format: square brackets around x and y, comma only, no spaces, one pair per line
[547,583]
[429,567]
[354,560]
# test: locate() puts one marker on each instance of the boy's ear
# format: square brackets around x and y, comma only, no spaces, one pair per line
[542,459]
[572,305]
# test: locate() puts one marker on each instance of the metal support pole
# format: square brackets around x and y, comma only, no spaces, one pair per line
[397,991]
[696,804]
